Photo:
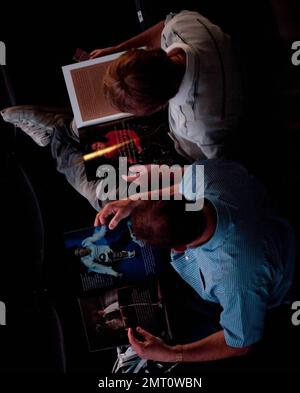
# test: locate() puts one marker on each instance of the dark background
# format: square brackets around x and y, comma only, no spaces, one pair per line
[42,37]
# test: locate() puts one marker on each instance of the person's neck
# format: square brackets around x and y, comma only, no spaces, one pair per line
[211,224]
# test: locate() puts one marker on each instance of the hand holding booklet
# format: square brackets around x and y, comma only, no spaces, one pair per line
[107,315]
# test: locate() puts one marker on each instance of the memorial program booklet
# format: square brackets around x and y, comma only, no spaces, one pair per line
[106,133]
[117,282]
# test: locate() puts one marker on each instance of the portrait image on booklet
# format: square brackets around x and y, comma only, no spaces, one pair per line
[101,258]
[108,315]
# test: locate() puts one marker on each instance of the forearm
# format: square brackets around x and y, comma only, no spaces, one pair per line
[149,38]
[213,347]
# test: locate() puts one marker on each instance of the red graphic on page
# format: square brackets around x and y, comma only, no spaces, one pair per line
[117,143]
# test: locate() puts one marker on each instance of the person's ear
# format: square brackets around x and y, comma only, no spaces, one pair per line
[176,52]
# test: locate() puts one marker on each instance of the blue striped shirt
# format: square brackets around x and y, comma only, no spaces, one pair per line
[247,265]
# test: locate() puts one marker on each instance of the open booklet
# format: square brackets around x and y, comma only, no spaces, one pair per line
[106,133]
[139,140]
[108,315]
[116,279]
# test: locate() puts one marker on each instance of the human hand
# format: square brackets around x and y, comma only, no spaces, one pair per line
[154,174]
[139,174]
[102,52]
[152,347]
[155,181]
[118,209]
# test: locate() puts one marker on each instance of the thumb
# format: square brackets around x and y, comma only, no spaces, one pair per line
[146,335]
[116,219]
[97,221]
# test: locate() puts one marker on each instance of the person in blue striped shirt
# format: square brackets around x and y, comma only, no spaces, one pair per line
[236,252]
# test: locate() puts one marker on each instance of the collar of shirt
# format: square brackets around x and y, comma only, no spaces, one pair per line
[224,226]
[188,263]
[180,249]
[223,229]
[188,78]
